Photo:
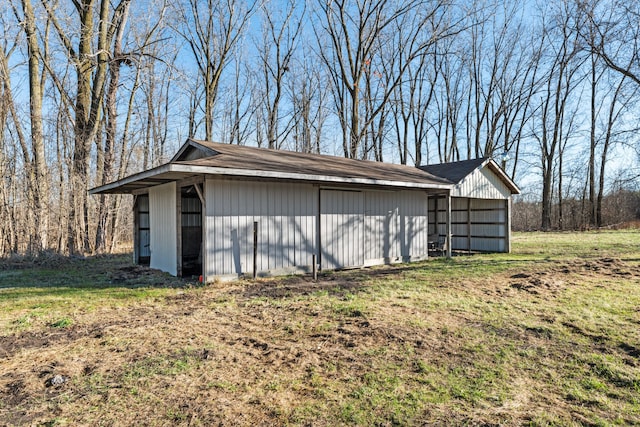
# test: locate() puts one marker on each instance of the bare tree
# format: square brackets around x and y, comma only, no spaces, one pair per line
[504,59]
[239,113]
[308,91]
[33,152]
[483,77]
[619,105]
[212,29]
[280,35]
[411,103]
[119,58]
[614,34]
[610,35]
[8,239]
[356,33]
[90,56]
[560,81]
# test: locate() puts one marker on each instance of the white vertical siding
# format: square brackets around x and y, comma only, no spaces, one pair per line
[372,227]
[356,228]
[482,184]
[286,216]
[162,219]
[342,228]
[414,224]
[382,226]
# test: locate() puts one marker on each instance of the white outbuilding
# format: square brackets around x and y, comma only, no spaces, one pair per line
[224,211]
[480,208]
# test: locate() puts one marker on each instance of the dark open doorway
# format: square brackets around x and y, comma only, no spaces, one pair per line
[142,251]
[191,232]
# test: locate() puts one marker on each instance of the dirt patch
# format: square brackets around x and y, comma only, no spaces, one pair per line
[133,276]
[549,281]
[15,393]
[10,345]
[538,284]
[300,286]
[131,272]
[605,266]
[630,350]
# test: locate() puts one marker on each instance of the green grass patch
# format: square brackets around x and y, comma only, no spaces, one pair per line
[61,323]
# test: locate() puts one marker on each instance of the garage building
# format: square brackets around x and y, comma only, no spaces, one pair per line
[224,211]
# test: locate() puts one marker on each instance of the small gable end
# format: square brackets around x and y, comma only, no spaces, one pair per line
[191,150]
[482,183]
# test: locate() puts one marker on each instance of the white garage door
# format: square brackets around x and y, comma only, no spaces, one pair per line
[341,229]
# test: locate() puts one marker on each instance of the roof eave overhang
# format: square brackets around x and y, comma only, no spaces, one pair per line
[137,181]
[503,176]
[148,178]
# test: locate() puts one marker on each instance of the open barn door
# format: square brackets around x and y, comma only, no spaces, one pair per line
[191,229]
[142,252]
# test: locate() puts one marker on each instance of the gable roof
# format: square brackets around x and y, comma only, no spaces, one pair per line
[203,157]
[192,150]
[263,159]
[456,172]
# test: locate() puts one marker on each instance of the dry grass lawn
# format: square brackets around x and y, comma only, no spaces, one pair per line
[547,335]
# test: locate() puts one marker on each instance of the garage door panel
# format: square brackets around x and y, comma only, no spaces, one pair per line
[341,228]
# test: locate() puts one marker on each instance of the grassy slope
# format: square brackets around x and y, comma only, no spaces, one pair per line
[546,335]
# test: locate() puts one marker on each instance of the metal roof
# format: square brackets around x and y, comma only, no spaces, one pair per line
[209,158]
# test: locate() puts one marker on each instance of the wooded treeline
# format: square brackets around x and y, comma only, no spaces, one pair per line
[93,90]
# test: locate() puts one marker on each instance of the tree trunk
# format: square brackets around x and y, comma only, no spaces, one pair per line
[39,176]
[111,126]
[547,189]
[592,146]
[88,108]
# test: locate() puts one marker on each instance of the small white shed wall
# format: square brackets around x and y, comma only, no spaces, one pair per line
[482,184]
[162,219]
[286,216]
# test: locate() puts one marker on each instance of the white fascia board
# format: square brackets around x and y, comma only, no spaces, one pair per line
[503,175]
[301,177]
[247,173]
[132,178]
